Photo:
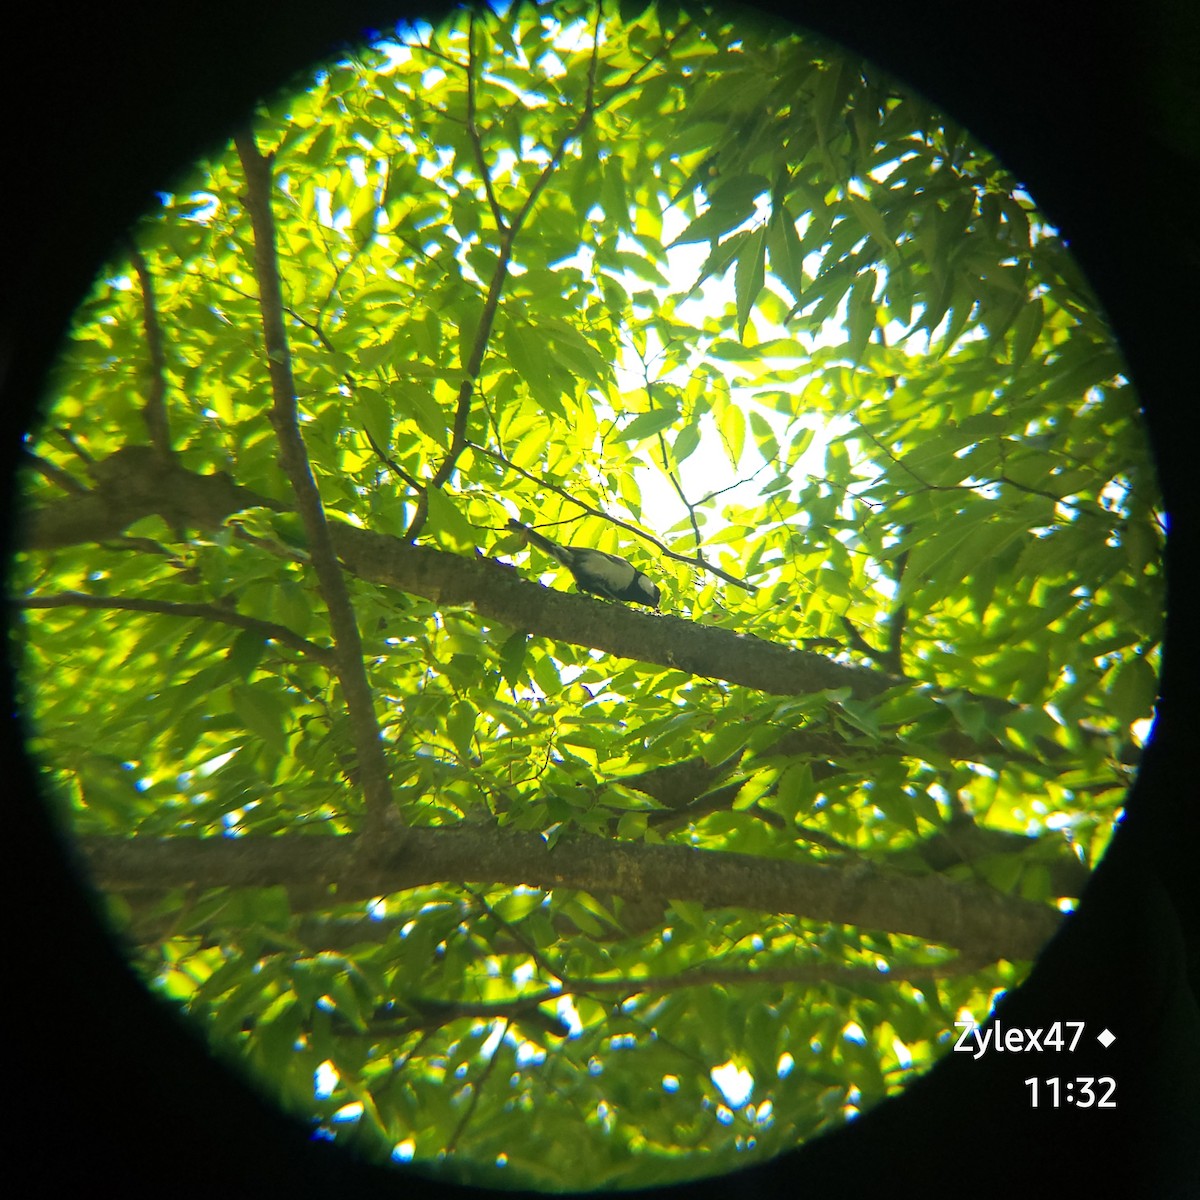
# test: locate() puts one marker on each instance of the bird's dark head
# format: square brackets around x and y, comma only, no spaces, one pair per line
[648,588]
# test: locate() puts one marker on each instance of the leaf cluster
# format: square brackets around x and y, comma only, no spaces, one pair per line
[733,305]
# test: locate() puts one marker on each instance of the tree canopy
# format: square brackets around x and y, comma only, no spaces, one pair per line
[468,868]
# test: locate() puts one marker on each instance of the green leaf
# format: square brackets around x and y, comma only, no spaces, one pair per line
[730,205]
[291,606]
[460,726]
[531,355]
[749,275]
[513,656]
[1133,690]
[1025,331]
[686,442]
[764,436]
[277,1037]
[872,221]
[726,741]
[246,653]
[731,424]
[517,905]
[414,401]
[785,251]
[575,351]
[262,712]
[647,425]
[861,314]
[447,521]
[374,415]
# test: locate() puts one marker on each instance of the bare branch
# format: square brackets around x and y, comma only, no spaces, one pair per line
[980,922]
[169,608]
[155,410]
[134,484]
[53,473]
[473,129]
[373,770]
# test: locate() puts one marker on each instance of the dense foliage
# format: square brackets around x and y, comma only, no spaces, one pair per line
[471,869]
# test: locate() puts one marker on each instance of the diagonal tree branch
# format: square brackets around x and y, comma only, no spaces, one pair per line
[172,608]
[133,484]
[372,766]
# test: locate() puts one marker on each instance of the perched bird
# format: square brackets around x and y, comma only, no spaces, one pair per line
[595,571]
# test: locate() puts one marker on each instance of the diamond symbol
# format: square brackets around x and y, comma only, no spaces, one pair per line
[1106,1039]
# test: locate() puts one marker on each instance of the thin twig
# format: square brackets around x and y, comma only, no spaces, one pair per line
[172,608]
[696,561]
[473,130]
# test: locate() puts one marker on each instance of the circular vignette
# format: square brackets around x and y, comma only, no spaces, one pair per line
[814,1158]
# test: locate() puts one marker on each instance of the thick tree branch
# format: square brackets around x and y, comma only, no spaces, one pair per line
[497,591]
[132,484]
[979,922]
[129,485]
[360,701]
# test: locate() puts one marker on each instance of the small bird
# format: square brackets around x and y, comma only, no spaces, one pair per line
[597,572]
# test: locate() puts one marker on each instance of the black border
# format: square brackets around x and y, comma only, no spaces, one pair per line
[1095,106]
